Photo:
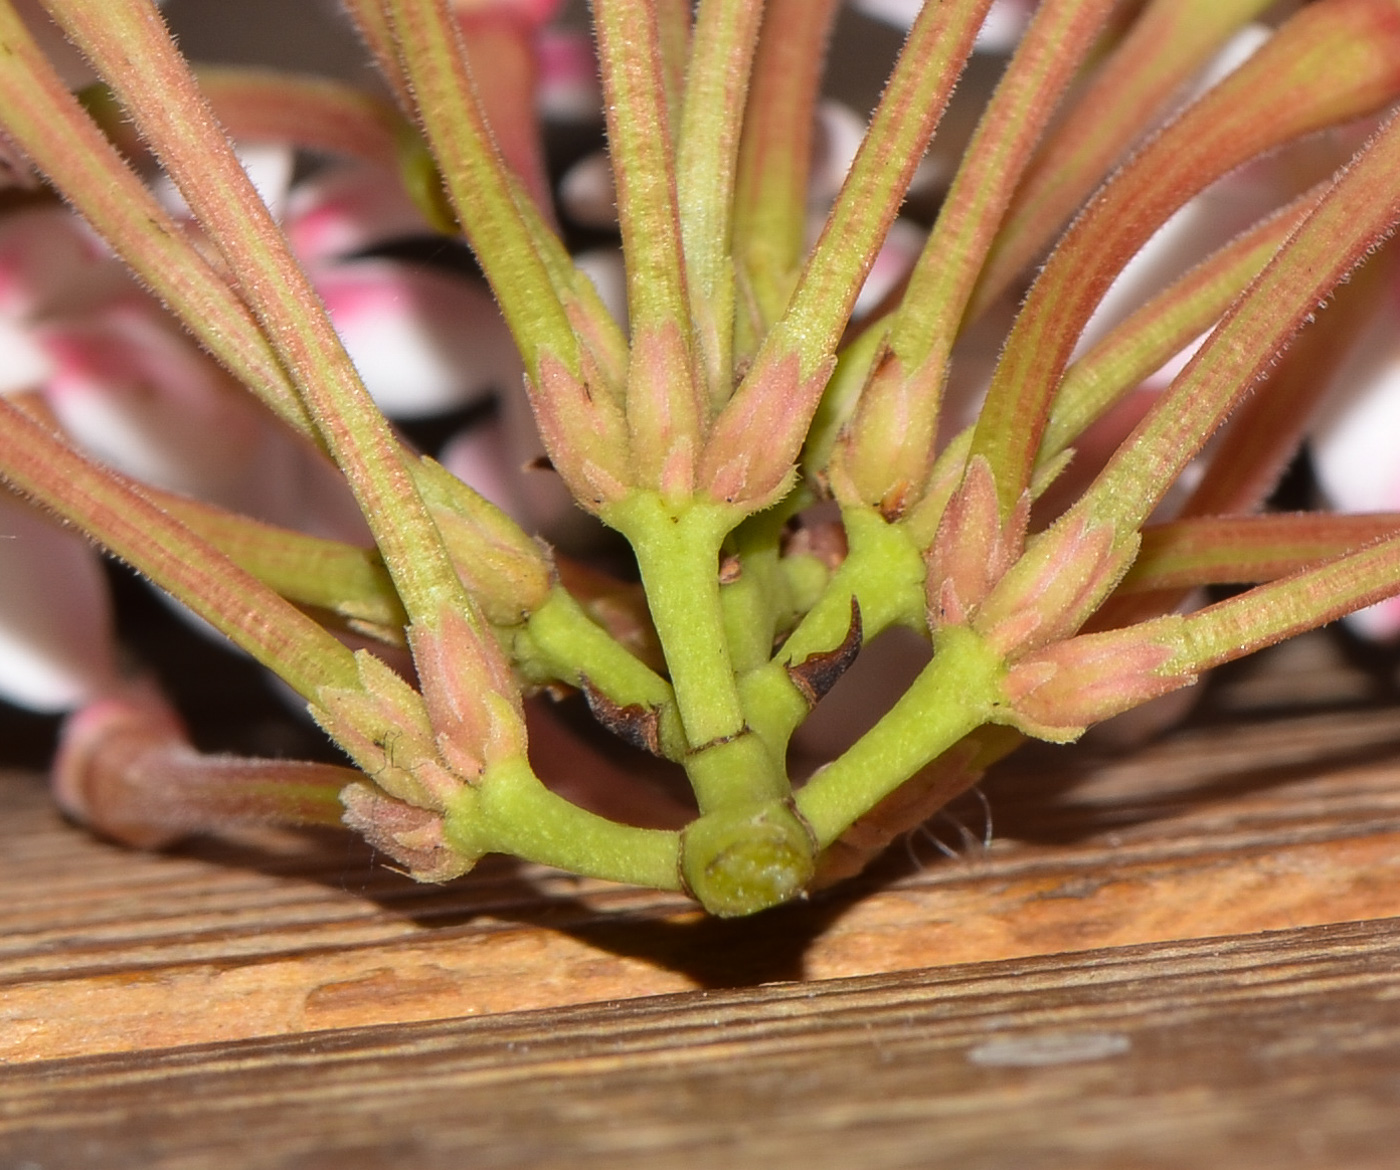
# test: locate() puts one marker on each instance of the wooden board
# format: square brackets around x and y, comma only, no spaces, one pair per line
[1280,1050]
[157,1010]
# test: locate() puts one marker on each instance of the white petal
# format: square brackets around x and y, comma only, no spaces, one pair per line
[1232,54]
[899,13]
[1169,369]
[605,268]
[1006,21]
[568,85]
[24,365]
[56,648]
[349,208]
[587,194]
[1355,445]
[424,342]
[268,165]
[1378,623]
[840,131]
[892,263]
[1356,439]
[140,396]
[1209,221]
[1222,211]
[1002,28]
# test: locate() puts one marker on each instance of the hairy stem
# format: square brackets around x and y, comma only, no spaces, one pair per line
[954,695]
[726,32]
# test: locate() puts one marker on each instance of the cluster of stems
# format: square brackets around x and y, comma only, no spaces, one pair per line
[791,485]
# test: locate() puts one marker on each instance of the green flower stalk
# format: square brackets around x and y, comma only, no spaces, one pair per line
[791,481]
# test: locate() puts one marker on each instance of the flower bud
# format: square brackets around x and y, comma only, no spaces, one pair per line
[754,443]
[973,548]
[1058,691]
[1063,576]
[584,432]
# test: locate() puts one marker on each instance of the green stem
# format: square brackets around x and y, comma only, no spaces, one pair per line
[1264,434]
[641,147]
[758,599]
[677,551]
[1169,42]
[841,397]
[1327,64]
[919,87]
[775,158]
[561,637]
[1138,346]
[1282,609]
[1045,62]
[50,126]
[560,641]
[667,405]
[884,572]
[726,32]
[130,46]
[309,570]
[954,695]
[371,21]
[891,440]
[1242,550]
[265,105]
[115,512]
[512,812]
[742,860]
[1360,209]
[495,217]
[550,306]
[678,554]
[674,19]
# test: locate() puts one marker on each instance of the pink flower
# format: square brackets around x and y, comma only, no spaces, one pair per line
[425,341]
[56,645]
[127,384]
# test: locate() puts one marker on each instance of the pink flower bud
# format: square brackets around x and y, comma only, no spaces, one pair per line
[755,441]
[973,548]
[1058,691]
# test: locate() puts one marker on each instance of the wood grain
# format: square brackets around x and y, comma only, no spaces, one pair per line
[1184,956]
[1256,823]
[1276,1051]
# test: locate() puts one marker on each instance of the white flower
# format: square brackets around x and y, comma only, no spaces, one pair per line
[1353,443]
[56,648]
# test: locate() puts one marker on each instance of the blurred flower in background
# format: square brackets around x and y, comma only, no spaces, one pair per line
[86,347]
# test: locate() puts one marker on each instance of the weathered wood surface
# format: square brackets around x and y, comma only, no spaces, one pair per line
[308,980]
[1217,830]
[1275,1051]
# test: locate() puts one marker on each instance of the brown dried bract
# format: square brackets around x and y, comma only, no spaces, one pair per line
[816,674]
